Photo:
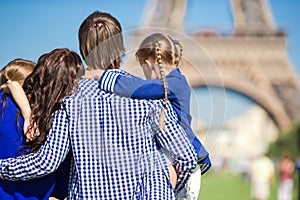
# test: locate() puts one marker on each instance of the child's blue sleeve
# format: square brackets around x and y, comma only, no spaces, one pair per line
[130,86]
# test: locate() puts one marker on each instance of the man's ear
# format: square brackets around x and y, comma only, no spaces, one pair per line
[148,63]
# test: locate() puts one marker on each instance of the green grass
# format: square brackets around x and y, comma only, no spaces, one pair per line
[225,186]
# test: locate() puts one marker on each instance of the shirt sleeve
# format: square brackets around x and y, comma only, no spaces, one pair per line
[127,85]
[46,160]
[175,142]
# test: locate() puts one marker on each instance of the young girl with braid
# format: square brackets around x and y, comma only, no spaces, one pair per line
[159,56]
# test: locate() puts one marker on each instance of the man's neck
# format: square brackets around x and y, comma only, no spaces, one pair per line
[93,74]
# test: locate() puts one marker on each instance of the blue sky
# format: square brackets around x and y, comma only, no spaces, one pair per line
[33,27]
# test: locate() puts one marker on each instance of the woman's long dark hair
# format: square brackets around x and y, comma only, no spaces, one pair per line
[54,77]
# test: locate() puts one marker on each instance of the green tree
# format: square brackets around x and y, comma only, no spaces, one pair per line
[287,141]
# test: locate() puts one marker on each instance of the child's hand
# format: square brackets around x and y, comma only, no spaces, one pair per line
[32,133]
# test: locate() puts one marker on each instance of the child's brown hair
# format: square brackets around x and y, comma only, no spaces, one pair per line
[164,50]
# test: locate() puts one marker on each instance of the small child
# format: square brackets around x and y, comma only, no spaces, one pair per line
[14,103]
[12,78]
[159,55]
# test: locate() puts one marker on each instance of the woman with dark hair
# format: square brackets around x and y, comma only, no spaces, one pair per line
[55,77]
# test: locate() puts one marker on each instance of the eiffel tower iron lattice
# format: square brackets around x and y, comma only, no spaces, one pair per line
[252,61]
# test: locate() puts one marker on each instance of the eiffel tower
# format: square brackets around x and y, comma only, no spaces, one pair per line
[252,61]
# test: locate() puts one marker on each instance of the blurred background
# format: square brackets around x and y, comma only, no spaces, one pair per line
[241,58]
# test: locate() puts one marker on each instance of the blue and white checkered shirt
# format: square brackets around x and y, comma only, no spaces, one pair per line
[117,147]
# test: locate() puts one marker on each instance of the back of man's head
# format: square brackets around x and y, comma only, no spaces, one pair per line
[101,41]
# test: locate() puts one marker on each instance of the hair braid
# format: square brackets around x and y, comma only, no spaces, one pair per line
[164,82]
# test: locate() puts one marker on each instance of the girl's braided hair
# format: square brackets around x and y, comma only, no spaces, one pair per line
[163,49]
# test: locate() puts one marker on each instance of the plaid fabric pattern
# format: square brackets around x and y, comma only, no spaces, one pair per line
[108,82]
[109,79]
[117,147]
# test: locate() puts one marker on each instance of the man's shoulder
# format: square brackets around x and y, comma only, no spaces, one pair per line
[150,106]
[87,84]
[158,105]
[87,87]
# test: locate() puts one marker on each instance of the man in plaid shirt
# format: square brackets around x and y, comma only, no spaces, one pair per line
[117,144]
